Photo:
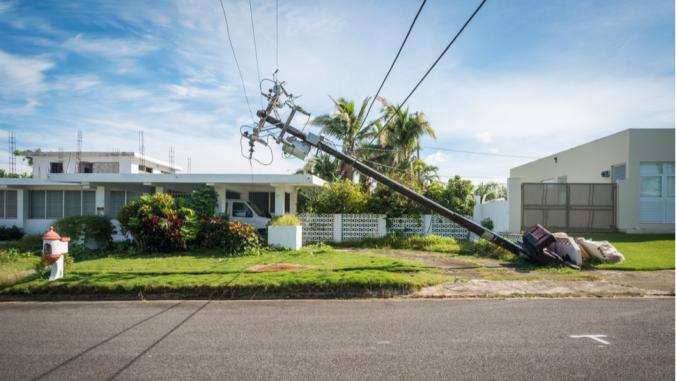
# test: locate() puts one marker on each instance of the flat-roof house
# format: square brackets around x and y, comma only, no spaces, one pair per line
[101,183]
[574,188]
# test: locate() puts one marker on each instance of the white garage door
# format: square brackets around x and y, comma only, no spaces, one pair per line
[657,193]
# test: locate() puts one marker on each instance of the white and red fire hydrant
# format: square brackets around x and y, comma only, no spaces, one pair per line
[53,249]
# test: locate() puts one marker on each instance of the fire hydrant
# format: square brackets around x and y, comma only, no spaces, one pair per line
[53,249]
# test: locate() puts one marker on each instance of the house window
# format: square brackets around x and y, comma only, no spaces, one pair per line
[657,193]
[55,204]
[56,167]
[86,167]
[651,179]
[265,201]
[287,202]
[117,201]
[10,204]
[230,195]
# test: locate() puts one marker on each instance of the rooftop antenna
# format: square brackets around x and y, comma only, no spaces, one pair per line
[142,149]
[171,156]
[189,166]
[78,153]
[12,152]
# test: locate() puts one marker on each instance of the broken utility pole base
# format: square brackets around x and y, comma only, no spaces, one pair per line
[536,241]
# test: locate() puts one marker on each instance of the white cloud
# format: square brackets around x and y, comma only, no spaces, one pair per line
[484,137]
[22,75]
[436,158]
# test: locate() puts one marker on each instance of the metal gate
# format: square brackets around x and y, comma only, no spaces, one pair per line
[571,207]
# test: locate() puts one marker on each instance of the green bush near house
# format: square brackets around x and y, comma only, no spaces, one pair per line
[156,223]
[12,233]
[285,220]
[487,223]
[94,232]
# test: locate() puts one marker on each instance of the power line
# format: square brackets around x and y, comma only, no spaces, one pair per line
[395,60]
[253,33]
[276,34]
[234,55]
[447,150]
[433,65]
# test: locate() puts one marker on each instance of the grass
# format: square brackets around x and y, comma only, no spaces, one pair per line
[16,266]
[641,251]
[206,273]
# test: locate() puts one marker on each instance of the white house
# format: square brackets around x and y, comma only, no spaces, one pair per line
[576,185]
[103,182]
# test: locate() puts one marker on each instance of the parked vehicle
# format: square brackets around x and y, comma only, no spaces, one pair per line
[247,213]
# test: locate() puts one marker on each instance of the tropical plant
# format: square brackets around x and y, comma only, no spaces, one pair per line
[491,191]
[455,195]
[285,220]
[242,239]
[203,200]
[95,232]
[487,223]
[213,231]
[402,134]
[346,123]
[342,196]
[322,166]
[156,223]
[12,233]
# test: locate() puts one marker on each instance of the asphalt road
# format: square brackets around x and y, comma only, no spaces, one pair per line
[363,339]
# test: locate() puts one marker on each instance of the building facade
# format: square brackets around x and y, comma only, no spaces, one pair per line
[60,188]
[639,161]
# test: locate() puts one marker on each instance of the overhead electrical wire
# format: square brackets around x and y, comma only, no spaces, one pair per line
[448,150]
[276,34]
[234,55]
[408,33]
[429,70]
[253,33]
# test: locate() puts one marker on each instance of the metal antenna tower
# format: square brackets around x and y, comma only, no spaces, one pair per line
[189,166]
[171,156]
[142,150]
[78,153]
[12,152]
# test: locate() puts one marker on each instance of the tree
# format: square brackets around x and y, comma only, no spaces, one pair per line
[5,174]
[491,191]
[346,124]
[323,166]
[402,135]
[456,195]
[342,196]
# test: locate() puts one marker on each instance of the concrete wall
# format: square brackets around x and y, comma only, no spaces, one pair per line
[496,210]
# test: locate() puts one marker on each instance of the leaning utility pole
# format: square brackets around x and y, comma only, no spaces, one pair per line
[298,144]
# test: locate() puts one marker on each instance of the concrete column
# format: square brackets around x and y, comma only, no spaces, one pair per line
[293,208]
[220,191]
[159,189]
[100,200]
[337,227]
[514,201]
[20,210]
[382,225]
[279,200]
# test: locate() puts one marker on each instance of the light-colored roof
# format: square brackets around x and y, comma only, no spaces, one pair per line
[85,154]
[142,178]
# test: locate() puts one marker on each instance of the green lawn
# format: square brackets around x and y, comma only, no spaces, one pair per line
[15,266]
[208,274]
[641,251]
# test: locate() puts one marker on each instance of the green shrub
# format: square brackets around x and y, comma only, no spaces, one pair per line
[242,239]
[12,254]
[285,220]
[12,233]
[203,200]
[338,197]
[32,242]
[487,223]
[94,232]
[213,231]
[43,270]
[156,223]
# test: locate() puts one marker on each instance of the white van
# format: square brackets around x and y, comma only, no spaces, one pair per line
[247,213]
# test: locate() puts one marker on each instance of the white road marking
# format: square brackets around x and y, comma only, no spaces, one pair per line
[597,338]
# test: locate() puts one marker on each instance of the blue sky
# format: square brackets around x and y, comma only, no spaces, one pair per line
[526,78]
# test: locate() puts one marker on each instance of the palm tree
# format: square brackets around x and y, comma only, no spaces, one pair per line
[346,124]
[402,135]
[322,166]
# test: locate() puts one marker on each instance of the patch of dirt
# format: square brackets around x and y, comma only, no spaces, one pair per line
[275,267]
[660,280]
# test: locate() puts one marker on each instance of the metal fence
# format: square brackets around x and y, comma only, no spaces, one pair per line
[574,207]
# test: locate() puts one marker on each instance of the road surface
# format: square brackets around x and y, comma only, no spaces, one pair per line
[603,339]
